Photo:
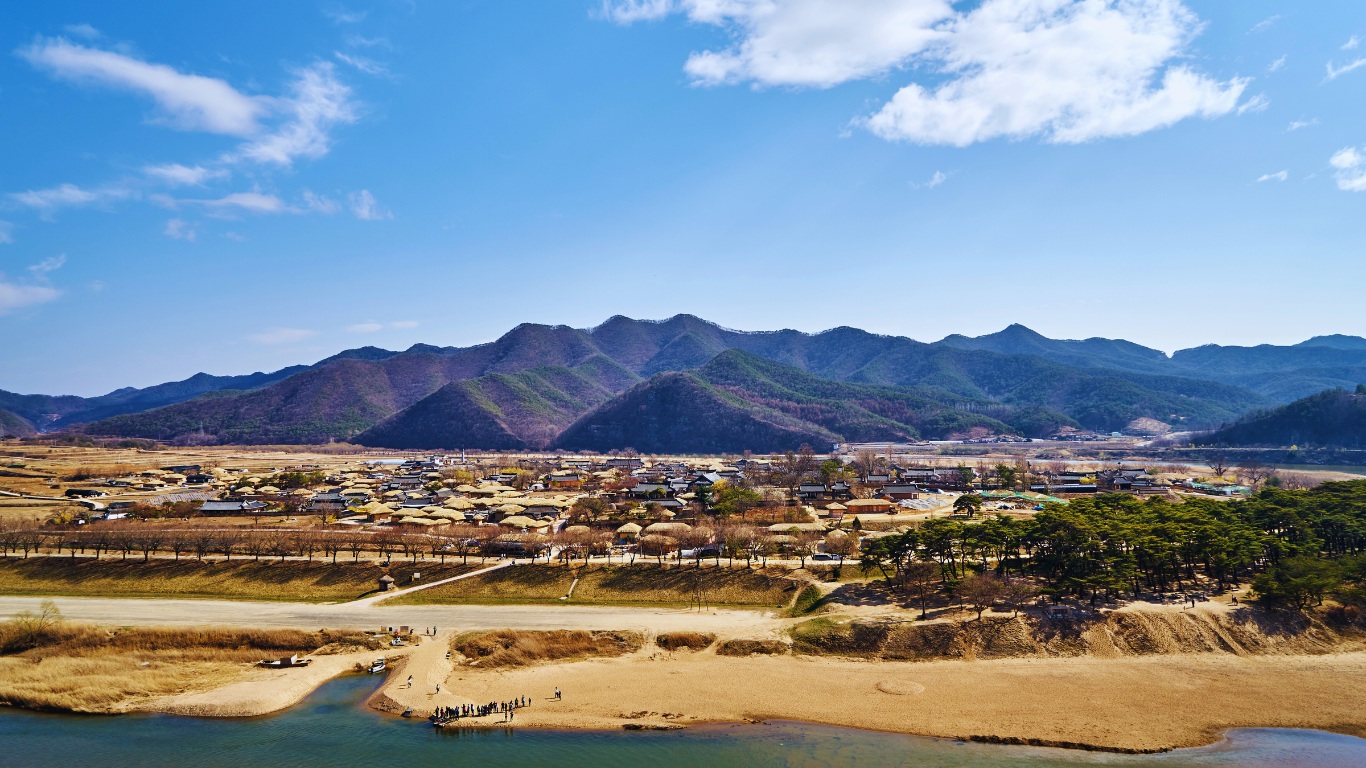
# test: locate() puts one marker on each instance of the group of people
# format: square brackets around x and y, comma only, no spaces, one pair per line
[507,709]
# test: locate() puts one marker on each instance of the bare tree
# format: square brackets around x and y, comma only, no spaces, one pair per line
[921,581]
[980,590]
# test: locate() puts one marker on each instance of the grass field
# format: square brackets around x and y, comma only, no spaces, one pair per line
[76,668]
[617,585]
[290,581]
[514,648]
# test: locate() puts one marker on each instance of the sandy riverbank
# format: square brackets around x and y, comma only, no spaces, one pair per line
[263,691]
[1149,703]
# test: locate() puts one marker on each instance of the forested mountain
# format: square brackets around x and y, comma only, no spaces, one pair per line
[354,391]
[1278,373]
[739,400]
[1332,419]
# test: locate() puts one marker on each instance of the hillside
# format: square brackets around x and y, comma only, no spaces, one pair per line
[679,413]
[1332,419]
[501,411]
[15,425]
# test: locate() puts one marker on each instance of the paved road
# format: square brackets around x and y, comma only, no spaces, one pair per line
[132,612]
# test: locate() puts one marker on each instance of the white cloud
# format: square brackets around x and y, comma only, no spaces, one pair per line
[1265,24]
[368,66]
[1277,176]
[1352,43]
[1258,103]
[6,233]
[178,175]
[50,264]
[371,326]
[190,102]
[179,229]
[82,30]
[340,15]
[319,203]
[1336,72]
[1064,70]
[360,41]
[17,295]
[1296,125]
[282,335]
[1349,169]
[255,202]
[1276,65]
[939,177]
[629,11]
[68,196]
[366,208]
[318,102]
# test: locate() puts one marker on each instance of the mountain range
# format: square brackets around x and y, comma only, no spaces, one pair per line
[685,384]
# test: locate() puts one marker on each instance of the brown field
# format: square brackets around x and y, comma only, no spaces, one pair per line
[618,585]
[240,579]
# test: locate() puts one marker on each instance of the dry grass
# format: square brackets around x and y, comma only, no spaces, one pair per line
[690,641]
[76,668]
[618,585]
[510,648]
[294,581]
[752,647]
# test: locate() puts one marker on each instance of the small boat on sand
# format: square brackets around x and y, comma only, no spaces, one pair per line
[377,666]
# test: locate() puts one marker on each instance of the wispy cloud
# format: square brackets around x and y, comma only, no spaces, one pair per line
[371,326]
[1277,65]
[69,196]
[254,202]
[360,41]
[188,102]
[6,233]
[82,30]
[1336,72]
[939,177]
[277,336]
[178,175]
[366,208]
[17,295]
[1349,169]
[1093,70]
[318,102]
[1352,43]
[319,203]
[1277,176]
[1265,24]
[48,265]
[1296,125]
[179,229]
[368,66]
[1258,103]
[340,15]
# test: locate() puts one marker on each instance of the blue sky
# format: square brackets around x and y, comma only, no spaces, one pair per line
[245,186]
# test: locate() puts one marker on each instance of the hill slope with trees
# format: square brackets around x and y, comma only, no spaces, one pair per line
[1332,419]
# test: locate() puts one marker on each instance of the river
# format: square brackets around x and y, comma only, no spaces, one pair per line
[332,728]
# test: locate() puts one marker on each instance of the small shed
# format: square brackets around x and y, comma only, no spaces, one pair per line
[386,583]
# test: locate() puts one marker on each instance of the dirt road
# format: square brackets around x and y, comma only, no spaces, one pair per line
[117,612]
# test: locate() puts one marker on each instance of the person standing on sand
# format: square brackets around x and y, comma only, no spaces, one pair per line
[410,681]
[557,694]
[438,687]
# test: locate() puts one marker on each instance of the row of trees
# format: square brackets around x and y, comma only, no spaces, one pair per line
[1299,545]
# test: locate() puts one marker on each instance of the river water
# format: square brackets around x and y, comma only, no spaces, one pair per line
[332,728]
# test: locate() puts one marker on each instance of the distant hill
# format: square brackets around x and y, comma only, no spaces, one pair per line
[1279,373]
[1332,419]
[14,425]
[353,392]
[501,411]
